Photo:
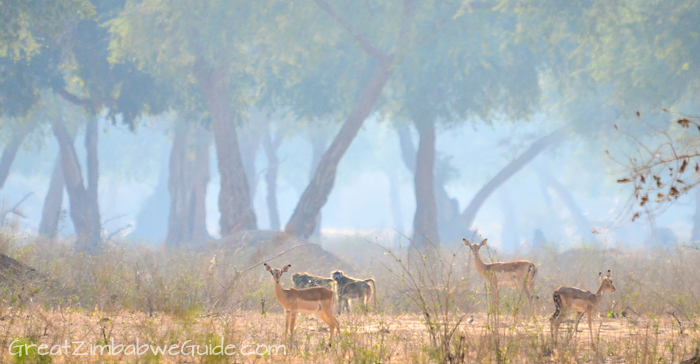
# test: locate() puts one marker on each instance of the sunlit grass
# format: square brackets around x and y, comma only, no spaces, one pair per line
[165,298]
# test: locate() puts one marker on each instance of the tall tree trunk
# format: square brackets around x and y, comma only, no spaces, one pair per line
[509,235]
[152,218]
[235,202]
[303,220]
[8,156]
[425,226]
[508,171]
[395,203]
[200,183]
[84,209]
[583,226]
[187,184]
[271,146]
[408,150]
[250,137]
[695,235]
[53,202]
[447,207]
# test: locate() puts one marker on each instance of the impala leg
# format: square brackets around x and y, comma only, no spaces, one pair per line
[331,321]
[288,319]
[578,319]
[292,321]
[590,327]
[555,321]
[526,290]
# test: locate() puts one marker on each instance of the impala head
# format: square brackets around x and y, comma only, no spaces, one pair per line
[277,273]
[606,283]
[474,247]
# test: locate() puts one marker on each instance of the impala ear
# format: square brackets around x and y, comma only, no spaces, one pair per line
[466,242]
[286,268]
[600,275]
[267,267]
[483,242]
[608,275]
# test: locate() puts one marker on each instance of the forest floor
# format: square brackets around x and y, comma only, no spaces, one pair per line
[78,336]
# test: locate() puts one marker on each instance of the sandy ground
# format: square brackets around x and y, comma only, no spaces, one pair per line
[388,338]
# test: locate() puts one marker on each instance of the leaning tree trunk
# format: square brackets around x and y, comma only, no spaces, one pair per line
[235,202]
[8,156]
[270,146]
[84,209]
[318,147]
[408,150]
[303,220]
[187,184]
[53,202]
[425,226]
[508,171]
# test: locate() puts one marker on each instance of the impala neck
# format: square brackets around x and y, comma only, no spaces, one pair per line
[480,265]
[279,291]
[599,292]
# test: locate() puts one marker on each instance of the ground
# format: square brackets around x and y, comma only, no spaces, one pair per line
[370,338]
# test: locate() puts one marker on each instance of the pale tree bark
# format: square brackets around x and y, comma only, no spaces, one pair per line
[395,202]
[235,202]
[408,150]
[695,236]
[447,207]
[53,202]
[508,171]
[8,156]
[84,208]
[303,220]
[318,147]
[271,145]
[187,184]
[251,134]
[509,235]
[425,227]
[583,226]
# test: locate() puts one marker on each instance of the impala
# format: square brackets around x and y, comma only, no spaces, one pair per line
[520,273]
[311,301]
[571,298]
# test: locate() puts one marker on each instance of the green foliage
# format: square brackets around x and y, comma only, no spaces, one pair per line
[462,64]
[26,23]
[644,52]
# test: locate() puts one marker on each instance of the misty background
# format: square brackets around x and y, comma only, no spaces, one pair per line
[506,119]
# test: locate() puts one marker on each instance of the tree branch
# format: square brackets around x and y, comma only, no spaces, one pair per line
[73,99]
[361,39]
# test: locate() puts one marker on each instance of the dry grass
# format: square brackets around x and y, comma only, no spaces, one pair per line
[164,298]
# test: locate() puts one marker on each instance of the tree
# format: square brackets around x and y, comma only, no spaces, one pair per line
[26,24]
[271,144]
[305,216]
[461,64]
[641,57]
[187,184]
[469,213]
[205,45]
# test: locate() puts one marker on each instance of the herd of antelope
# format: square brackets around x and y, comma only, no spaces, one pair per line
[314,295]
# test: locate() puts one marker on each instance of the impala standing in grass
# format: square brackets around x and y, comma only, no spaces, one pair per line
[520,273]
[311,301]
[571,298]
